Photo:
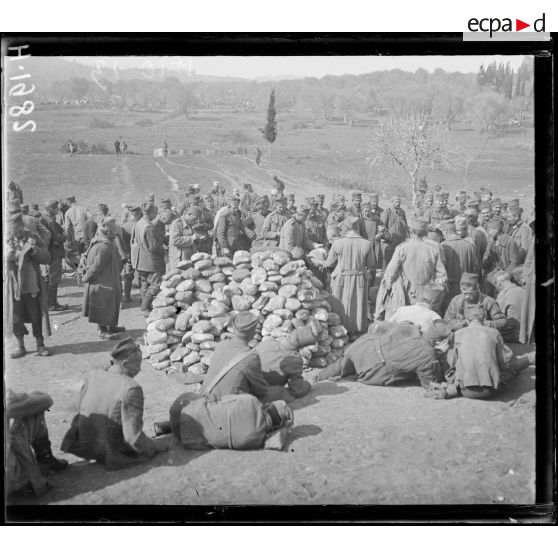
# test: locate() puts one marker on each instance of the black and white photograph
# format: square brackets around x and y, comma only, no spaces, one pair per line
[270,280]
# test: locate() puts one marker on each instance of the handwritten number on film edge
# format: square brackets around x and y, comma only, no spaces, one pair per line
[19,90]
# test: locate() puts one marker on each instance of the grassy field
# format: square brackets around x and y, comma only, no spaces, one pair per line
[309,160]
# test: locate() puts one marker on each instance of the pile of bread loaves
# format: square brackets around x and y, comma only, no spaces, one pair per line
[197,302]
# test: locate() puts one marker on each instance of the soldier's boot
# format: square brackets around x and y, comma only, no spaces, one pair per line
[41,349]
[47,462]
[127,291]
[53,305]
[20,348]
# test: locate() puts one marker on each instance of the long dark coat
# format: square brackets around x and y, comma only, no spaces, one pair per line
[103,291]
[354,260]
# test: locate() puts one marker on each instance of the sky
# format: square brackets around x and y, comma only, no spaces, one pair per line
[252,67]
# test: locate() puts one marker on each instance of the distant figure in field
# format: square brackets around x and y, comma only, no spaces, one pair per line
[258,156]
[117,147]
[72,147]
[124,148]
[165,150]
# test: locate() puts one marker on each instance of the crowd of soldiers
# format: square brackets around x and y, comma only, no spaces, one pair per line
[434,294]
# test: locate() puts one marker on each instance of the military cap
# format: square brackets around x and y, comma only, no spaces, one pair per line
[320,197]
[35,206]
[440,196]
[102,207]
[472,211]
[429,195]
[395,197]
[166,201]
[302,336]
[448,226]
[515,211]
[24,208]
[134,209]
[245,322]
[124,349]
[477,195]
[51,203]
[208,197]
[233,198]
[290,196]
[366,204]
[484,205]
[245,185]
[374,196]
[356,195]
[437,188]
[513,203]
[496,201]
[417,224]
[340,198]
[280,200]
[194,211]
[23,405]
[438,330]
[473,204]
[495,223]
[147,206]
[459,192]
[469,278]
[71,199]
[445,195]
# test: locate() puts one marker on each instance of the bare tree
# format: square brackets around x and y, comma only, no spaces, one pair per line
[410,144]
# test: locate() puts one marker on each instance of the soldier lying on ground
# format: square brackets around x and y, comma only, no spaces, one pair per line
[238,422]
[391,354]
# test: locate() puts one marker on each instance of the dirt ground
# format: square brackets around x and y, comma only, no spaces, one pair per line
[350,444]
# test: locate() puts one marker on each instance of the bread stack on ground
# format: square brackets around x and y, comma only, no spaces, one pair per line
[197,302]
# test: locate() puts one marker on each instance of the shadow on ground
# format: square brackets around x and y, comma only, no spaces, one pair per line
[102,345]
[87,476]
[319,390]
